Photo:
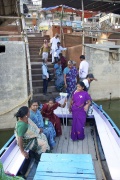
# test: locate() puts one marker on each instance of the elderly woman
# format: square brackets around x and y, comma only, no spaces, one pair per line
[27,133]
[70,78]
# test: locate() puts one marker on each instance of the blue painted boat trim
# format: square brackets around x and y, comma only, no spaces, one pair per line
[108,118]
[7,144]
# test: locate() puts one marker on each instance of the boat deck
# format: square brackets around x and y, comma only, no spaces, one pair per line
[64,145]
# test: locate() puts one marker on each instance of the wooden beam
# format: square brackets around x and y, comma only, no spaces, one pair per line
[83,36]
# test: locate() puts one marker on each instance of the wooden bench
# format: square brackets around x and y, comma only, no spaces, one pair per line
[65,166]
[109,144]
[12,158]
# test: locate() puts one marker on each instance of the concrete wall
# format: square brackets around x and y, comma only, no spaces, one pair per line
[106,71]
[13,81]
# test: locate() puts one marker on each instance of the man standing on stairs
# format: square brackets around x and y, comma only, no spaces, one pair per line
[54,42]
[45,76]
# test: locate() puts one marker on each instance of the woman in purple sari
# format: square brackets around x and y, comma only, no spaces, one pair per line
[80,103]
[70,78]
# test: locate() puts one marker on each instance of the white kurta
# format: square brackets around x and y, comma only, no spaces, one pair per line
[54,42]
[58,50]
[83,69]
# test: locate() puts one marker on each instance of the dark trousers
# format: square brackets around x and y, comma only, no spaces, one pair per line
[45,85]
[56,59]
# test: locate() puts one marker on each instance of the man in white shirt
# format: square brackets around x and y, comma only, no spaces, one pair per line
[54,42]
[88,80]
[58,49]
[83,68]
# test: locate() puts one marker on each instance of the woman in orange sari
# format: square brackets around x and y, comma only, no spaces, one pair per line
[48,112]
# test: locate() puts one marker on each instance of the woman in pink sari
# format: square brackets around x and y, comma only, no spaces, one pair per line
[80,103]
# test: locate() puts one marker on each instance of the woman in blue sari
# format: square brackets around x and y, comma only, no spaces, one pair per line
[45,126]
[59,82]
[70,78]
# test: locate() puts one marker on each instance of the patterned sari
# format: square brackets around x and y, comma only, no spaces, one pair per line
[71,80]
[49,131]
[37,142]
[59,82]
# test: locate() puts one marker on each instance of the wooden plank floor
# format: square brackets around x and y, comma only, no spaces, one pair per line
[65,145]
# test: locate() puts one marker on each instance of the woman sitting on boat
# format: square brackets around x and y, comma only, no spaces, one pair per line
[48,112]
[70,78]
[59,82]
[44,126]
[27,133]
[80,103]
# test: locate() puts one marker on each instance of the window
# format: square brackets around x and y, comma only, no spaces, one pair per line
[2,49]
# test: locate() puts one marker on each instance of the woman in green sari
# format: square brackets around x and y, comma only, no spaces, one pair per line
[27,134]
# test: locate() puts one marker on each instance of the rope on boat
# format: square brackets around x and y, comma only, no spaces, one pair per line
[98,156]
[3,113]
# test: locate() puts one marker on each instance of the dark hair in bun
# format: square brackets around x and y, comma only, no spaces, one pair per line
[22,112]
[82,85]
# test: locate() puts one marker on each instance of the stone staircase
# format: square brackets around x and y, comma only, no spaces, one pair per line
[35,42]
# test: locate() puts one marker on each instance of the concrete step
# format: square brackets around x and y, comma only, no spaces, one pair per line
[34,48]
[39,71]
[39,65]
[38,38]
[39,76]
[39,82]
[42,98]
[39,60]
[38,56]
[39,89]
[36,52]
[38,45]
[37,35]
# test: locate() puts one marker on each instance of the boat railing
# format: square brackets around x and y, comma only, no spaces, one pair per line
[6,145]
[108,118]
